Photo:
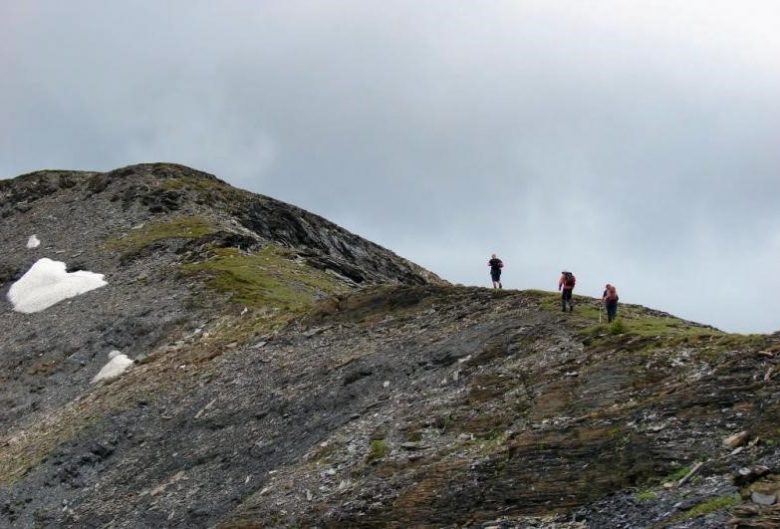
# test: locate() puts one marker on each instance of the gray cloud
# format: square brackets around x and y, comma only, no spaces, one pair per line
[632,142]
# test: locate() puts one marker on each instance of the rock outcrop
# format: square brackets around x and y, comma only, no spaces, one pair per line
[288,373]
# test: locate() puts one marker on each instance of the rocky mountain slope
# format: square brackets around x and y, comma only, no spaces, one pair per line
[290,374]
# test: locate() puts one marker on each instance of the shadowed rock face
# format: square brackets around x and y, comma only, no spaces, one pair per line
[291,374]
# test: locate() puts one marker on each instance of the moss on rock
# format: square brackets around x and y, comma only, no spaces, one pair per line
[270,278]
[181,227]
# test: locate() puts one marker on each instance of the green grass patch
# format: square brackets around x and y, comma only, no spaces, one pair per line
[590,317]
[657,331]
[184,227]
[677,475]
[649,325]
[209,191]
[377,449]
[646,495]
[414,436]
[270,278]
[617,327]
[586,309]
[655,326]
[707,507]
[491,442]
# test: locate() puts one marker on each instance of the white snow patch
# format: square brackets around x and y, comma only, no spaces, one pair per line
[47,283]
[116,365]
[33,242]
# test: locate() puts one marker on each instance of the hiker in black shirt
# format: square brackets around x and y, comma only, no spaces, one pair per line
[495,265]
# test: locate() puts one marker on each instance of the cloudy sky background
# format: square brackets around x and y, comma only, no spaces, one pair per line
[636,142]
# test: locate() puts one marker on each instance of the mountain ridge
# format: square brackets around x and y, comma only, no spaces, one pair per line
[288,373]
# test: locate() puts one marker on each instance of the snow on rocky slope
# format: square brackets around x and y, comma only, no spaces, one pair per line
[47,283]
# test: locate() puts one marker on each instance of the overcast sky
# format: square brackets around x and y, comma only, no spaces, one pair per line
[636,142]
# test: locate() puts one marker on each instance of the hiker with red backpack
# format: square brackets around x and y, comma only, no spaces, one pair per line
[566,286]
[495,265]
[610,300]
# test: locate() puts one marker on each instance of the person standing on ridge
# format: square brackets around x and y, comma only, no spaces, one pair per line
[610,300]
[566,286]
[495,265]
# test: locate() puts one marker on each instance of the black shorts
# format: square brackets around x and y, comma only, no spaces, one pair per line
[495,275]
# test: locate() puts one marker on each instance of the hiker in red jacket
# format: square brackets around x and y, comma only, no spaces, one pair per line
[566,286]
[495,265]
[610,300]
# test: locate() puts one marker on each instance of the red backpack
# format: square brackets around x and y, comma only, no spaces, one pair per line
[612,294]
[569,280]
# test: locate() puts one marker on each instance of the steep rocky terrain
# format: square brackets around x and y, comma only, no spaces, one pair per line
[290,374]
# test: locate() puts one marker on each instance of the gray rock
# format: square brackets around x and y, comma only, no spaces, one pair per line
[763,498]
